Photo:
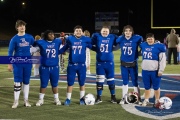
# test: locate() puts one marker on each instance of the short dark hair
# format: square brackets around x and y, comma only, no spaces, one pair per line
[78,27]
[45,34]
[19,22]
[130,27]
[148,35]
[105,26]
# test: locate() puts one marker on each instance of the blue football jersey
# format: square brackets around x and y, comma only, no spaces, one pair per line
[77,48]
[129,48]
[20,45]
[151,52]
[49,52]
[104,47]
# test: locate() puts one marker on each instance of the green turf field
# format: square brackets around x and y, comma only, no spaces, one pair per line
[48,111]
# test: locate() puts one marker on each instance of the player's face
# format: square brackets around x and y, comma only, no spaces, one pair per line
[21,28]
[150,40]
[51,36]
[104,32]
[78,32]
[128,32]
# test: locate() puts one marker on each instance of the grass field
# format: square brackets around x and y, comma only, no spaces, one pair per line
[103,111]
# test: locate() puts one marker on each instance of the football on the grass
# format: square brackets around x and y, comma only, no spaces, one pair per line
[89,99]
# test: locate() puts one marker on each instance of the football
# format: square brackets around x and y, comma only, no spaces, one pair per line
[89,99]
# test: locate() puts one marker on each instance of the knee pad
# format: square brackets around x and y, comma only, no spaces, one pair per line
[112,87]
[17,86]
[99,86]
[100,78]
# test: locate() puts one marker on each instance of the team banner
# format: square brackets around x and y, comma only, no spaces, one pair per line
[20,60]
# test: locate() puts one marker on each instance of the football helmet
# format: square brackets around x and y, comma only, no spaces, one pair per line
[164,103]
[89,99]
[132,97]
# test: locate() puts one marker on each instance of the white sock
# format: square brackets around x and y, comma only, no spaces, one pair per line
[41,96]
[82,93]
[16,95]
[56,95]
[18,90]
[26,91]
[68,95]
[124,90]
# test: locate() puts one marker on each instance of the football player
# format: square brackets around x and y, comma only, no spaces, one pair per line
[129,43]
[104,43]
[49,66]
[76,45]
[20,46]
[153,65]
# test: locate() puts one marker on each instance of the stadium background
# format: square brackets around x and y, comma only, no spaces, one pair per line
[49,111]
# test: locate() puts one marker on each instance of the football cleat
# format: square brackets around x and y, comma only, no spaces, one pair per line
[67,102]
[123,101]
[98,99]
[26,103]
[81,102]
[15,104]
[113,99]
[57,101]
[40,102]
[145,103]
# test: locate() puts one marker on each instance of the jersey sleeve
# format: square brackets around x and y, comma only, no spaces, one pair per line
[141,40]
[94,38]
[12,45]
[63,49]
[89,43]
[32,40]
[118,40]
[162,47]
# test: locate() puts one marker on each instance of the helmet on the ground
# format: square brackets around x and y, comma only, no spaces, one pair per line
[132,97]
[164,103]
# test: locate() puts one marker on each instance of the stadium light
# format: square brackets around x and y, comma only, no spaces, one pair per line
[23,3]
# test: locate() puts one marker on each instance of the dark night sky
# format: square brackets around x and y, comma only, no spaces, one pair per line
[53,14]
